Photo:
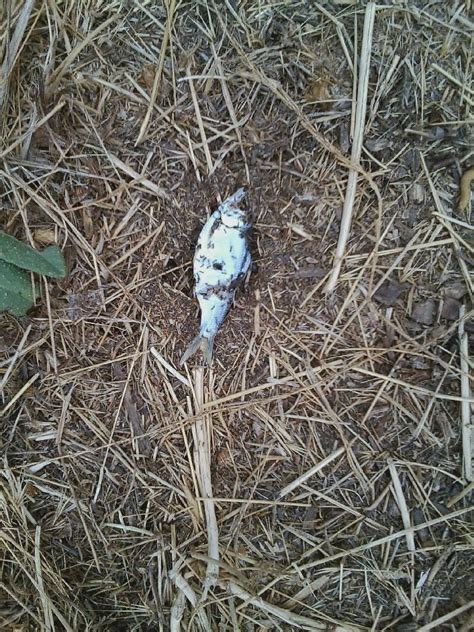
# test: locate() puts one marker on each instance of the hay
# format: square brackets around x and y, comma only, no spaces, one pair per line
[319,476]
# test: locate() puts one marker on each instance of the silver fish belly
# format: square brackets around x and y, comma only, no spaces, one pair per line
[221,261]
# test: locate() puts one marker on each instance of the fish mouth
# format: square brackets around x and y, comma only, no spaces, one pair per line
[238,196]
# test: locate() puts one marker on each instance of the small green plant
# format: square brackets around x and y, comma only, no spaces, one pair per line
[16,261]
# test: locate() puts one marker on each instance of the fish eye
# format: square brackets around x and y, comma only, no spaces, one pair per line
[217,265]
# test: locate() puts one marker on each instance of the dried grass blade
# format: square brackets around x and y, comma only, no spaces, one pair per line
[12,49]
[360,113]
[183,586]
[168,367]
[467,429]
[148,184]
[15,357]
[304,477]
[435,625]
[61,70]
[300,622]
[203,467]
[159,71]
[17,395]
[402,504]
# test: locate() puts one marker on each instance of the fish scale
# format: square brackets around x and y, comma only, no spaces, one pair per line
[221,261]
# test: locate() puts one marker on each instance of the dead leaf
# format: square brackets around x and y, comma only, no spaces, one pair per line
[87,222]
[455,290]
[450,309]
[44,236]
[318,90]
[389,292]
[147,76]
[310,273]
[131,412]
[300,230]
[424,313]
[378,144]
[465,190]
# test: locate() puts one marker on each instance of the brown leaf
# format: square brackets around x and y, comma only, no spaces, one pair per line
[465,190]
[131,412]
[318,90]
[147,76]
[44,236]
[87,222]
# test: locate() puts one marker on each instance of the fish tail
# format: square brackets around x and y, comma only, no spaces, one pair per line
[200,342]
[207,347]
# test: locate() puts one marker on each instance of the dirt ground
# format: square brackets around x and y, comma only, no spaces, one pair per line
[319,475]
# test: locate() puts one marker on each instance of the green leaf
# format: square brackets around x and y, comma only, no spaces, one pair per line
[54,257]
[15,280]
[16,290]
[14,303]
[50,262]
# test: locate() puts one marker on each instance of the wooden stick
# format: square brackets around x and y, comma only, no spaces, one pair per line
[360,112]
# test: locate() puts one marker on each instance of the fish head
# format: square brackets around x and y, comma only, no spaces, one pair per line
[232,214]
[237,197]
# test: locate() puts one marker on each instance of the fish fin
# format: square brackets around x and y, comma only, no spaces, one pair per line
[200,342]
[247,263]
[191,350]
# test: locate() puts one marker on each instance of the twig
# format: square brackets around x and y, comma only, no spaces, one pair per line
[459,84]
[177,611]
[75,52]
[14,358]
[202,131]
[17,395]
[36,127]
[388,538]
[419,389]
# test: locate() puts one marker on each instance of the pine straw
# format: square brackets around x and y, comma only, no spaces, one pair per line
[330,426]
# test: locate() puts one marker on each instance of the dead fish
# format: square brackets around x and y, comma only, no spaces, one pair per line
[221,261]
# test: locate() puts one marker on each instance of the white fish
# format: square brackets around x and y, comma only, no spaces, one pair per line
[221,261]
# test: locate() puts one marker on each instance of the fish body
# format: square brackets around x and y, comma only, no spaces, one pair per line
[221,261]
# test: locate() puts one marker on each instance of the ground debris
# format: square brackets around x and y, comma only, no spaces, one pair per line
[333,423]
